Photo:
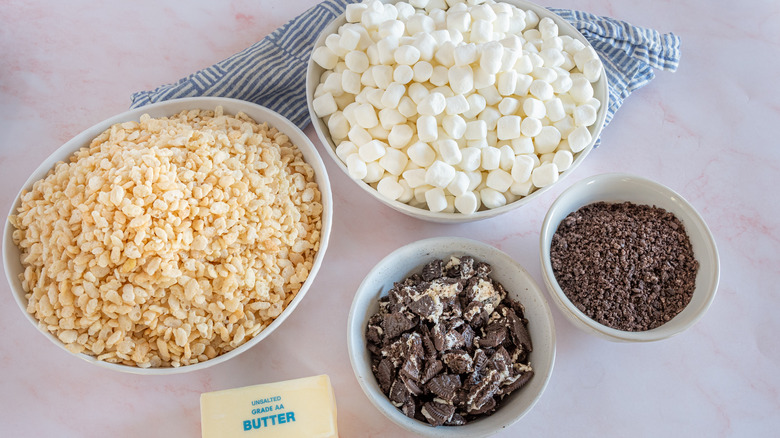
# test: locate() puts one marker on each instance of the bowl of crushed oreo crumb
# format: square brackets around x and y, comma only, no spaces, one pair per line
[628,259]
[450,337]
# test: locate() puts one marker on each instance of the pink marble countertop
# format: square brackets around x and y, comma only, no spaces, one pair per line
[706,131]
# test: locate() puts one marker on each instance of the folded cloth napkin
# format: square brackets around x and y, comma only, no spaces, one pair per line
[272,72]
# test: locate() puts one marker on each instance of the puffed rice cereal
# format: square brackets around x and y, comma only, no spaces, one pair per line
[169,241]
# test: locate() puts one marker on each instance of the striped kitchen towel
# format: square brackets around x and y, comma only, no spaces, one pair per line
[272,72]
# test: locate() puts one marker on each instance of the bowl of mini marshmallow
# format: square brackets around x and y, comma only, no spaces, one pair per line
[455,111]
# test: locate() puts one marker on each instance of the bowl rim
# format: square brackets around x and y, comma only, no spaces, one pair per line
[585,322]
[170,107]
[601,87]
[356,335]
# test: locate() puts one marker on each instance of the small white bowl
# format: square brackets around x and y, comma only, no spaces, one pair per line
[13,266]
[520,286]
[314,72]
[617,187]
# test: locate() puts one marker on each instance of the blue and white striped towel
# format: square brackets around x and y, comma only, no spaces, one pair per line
[272,72]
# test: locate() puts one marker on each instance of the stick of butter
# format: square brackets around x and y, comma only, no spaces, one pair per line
[294,408]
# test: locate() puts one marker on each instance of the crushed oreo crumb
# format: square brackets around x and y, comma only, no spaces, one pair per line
[448,344]
[627,266]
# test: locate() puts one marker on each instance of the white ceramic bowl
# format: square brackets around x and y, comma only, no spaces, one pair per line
[616,187]
[520,286]
[260,114]
[565,28]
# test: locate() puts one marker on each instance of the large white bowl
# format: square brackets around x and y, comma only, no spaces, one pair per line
[617,187]
[13,266]
[520,286]
[565,28]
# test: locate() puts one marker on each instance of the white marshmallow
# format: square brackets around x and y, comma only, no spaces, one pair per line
[371,151]
[449,151]
[407,194]
[350,82]
[400,135]
[407,107]
[492,198]
[466,203]
[419,195]
[427,129]
[522,167]
[475,130]
[445,54]
[407,55]
[522,145]
[491,57]
[465,54]
[458,20]
[542,90]
[583,56]
[440,75]
[563,159]
[483,12]
[394,161]
[325,57]
[338,126]
[477,103]
[383,75]
[481,31]
[432,105]
[436,199]
[490,116]
[530,127]
[547,140]
[454,126]
[421,154]
[522,188]
[385,49]
[491,158]
[349,39]
[581,89]
[555,109]
[459,184]
[357,61]
[324,105]
[471,158]
[524,64]
[584,115]
[491,94]
[482,78]
[507,82]
[565,125]
[508,127]
[422,71]
[523,84]
[595,103]
[544,175]
[390,117]
[415,177]
[345,149]
[579,139]
[374,172]
[392,95]
[507,159]
[461,79]
[332,84]
[499,180]
[358,135]
[426,44]
[439,174]
[366,116]
[509,59]
[475,179]
[552,57]
[366,78]
[562,84]
[356,167]
[374,97]
[548,28]
[419,23]
[508,106]
[456,104]
[534,108]
[390,188]
[355,11]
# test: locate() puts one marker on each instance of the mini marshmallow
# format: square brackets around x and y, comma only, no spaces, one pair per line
[522,145]
[349,39]
[522,167]
[530,127]
[546,158]
[359,136]
[383,75]
[390,117]
[506,82]
[584,115]
[419,23]
[563,159]
[338,125]
[508,127]
[445,54]
[544,175]
[426,44]
[439,174]
[458,20]
[555,109]
[509,58]
[491,57]
[436,199]
[595,103]
[356,167]
[422,71]
[456,104]
[547,139]
[419,194]
[466,203]
[477,103]
[427,129]
[344,100]
[459,184]
[421,154]
[579,139]
[507,159]
[394,161]
[324,105]
[449,151]
[332,84]
[522,188]
[534,108]
[565,125]
[371,151]
[492,198]
[490,116]
[524,64]
[366,116]
[374,97]
[465,54]
[454,126]
[475,179]
[415,177]
[483,12]
[355,11]
[581,89]
[356,61]
[491,158]
[325,57]
[482,78]
[432,105]
[499,180]
[491,94]
[583,56]
[548,28]
[345,149]
[386,48]
[366,78]
[439,75]
[406,55]
[392,95]
[461,79]
[542,90]
[475,130]
[508,106]
[391,28]
[471,158]
[523,84]
[400,135]
[374,172]
[552,57]
[481,31]
[407,107]
[407,194]
[350,82]
[390,188]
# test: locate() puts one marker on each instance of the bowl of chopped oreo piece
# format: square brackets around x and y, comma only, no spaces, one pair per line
[450,337]
[628,259]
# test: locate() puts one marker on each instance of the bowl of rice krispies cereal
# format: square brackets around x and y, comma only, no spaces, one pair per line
[171,237]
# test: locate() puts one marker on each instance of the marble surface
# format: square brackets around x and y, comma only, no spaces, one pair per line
[707,131]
